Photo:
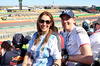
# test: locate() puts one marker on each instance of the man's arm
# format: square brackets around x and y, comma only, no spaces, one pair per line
[85,57]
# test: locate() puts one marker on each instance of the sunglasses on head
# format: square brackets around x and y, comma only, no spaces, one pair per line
[47,21]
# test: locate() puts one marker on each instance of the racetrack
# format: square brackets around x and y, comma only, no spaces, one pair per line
[30,25]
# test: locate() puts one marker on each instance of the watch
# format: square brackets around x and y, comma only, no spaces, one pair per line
[66,57]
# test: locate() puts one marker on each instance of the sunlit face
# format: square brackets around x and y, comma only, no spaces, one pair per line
[67,22]
[43,25]
[97,26]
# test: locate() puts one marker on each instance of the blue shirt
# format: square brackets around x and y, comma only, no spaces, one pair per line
[44,55]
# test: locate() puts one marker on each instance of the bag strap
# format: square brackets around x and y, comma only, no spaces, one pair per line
[58,40]
[62,41]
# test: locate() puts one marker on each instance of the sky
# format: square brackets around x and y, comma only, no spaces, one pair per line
[50,2]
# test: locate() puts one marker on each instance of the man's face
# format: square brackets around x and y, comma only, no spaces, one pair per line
[67,22]
[97,26]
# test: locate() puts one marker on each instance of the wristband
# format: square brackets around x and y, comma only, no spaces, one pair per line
[55,64]
[66,57]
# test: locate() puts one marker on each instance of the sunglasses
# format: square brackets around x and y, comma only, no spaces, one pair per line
[47,21]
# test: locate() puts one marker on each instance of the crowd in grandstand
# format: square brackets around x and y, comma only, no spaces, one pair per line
[74,46]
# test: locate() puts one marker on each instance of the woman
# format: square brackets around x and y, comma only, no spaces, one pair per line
[43,44]
[6,46]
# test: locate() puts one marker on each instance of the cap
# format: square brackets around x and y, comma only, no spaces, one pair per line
[67,12]
[87,21]
[27,39]
[98,21]
[18,39]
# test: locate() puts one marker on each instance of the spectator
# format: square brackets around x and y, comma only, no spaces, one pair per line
[91,26]
[86,26]
[26,43]
[43,45]
[95,39]
[6,46]
[16,56]
[92,29]
[76,41]
[27,38]
[61,33]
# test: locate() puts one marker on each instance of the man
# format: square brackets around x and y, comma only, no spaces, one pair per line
[86,26]
[76,41]
[15,56]
[95,39]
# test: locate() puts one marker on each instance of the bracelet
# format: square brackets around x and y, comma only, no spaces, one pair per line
[55,64]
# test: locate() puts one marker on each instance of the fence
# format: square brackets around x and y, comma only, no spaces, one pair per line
[30,32]
[8,32]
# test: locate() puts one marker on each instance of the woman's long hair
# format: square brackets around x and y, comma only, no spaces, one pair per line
[51,29]
[7,46]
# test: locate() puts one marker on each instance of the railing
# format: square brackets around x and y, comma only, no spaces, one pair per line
[7,35]
[29,32]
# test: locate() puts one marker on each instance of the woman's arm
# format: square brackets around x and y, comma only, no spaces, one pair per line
[57,61]
[57,52]
[25,61]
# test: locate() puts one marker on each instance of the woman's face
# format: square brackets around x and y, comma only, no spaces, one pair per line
[45,23]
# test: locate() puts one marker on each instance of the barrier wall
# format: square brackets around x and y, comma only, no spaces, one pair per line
[7,35]
[22,29]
